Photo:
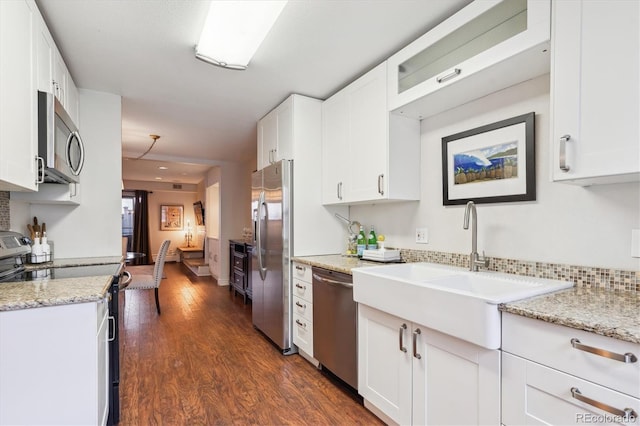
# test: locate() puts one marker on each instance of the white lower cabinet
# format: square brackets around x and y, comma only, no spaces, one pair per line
[54,365]
[411,374]
[303,311]
[555,375]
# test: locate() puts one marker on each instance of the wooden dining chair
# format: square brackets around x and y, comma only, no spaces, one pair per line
[141,281]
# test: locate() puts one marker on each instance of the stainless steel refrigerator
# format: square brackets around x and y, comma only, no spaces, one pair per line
[271,192]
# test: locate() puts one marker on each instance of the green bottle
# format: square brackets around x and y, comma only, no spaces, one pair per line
[361,242]
[372,242]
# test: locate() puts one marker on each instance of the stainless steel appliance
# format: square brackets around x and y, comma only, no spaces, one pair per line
[335,329]
[271,255]
[60,147]
[13,249]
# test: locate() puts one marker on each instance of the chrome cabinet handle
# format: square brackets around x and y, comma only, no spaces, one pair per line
[339,190]
[416,332]
[301,324]
[401,330]
[381,184]
[627,414]
[299,305]
[301,287]
[563,153]
[454,73]
[627,358]
[40,170]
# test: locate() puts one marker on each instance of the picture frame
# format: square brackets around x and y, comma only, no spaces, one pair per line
[171,217]
[494,163]
[198,211]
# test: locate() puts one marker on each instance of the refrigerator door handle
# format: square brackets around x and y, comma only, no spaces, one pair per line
[261,268]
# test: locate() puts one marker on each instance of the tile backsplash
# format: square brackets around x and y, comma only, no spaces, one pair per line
[582,276]
[4,211]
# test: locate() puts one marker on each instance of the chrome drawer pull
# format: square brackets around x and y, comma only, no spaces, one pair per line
[563,153]
[415,343]
[300,268]
[403,327]
[299,305]
[627,358]
[303,325]
[112,329]
[301,287]
[627,414]
[454,73]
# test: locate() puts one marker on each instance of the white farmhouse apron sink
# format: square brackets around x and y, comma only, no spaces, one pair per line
[451,300]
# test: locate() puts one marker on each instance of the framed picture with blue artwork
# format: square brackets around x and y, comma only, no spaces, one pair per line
[494,163]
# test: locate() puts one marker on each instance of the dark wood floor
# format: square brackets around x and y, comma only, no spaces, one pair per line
[202,363]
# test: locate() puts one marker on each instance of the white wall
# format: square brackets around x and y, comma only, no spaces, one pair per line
[235,200]
[92,229]
[566,224]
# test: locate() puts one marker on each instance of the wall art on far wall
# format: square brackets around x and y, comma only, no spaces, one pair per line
[171,217]
[494,163]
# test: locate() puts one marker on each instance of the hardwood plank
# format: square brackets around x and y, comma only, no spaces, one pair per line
[202,363]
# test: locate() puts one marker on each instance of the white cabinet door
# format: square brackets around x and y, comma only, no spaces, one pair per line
[368,122]
[454,382]
[54,358]
[595,78]
[486,46]
[275,134]
[336,152]
[45,49]
[18,102]
[384,363]
[533,394]
[366,156]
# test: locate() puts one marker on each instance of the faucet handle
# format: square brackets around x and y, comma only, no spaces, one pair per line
[485,260]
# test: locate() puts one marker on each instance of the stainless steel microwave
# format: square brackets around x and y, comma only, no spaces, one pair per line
[60,147]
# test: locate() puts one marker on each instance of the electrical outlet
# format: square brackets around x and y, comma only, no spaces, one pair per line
[422,236]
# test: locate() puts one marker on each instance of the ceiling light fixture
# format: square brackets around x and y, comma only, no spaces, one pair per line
[155,139]
[163,168]
[234,30]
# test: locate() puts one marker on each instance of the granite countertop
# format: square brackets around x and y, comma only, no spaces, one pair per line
[606,312]
[35,294]
[53,292]
[335,262]
[79,261]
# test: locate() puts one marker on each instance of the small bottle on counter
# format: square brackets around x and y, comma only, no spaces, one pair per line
[372,241]
[46,248]
[36,250]
[361,242]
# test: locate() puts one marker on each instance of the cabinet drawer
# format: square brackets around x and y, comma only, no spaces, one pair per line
[238,261]
[303,333]
[303,308]
[237,279]
[551,345]
[302,272]
[303,289]
[535,394]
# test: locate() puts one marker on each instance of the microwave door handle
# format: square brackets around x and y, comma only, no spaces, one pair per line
[75,170]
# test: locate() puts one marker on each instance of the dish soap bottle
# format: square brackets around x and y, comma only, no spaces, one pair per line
[361,242]
[372,242]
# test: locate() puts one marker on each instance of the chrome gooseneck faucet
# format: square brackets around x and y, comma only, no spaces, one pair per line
[475,261]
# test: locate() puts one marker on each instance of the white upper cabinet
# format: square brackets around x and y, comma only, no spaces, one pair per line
[487,46]
[52,73]
[595,102]
[367,155]
[18,99]
[275,135]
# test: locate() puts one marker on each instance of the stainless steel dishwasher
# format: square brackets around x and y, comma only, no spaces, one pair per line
[335,324]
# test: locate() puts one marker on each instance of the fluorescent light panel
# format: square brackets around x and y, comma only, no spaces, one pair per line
[235,29]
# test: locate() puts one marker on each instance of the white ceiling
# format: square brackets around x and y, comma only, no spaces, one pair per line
[143,51]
